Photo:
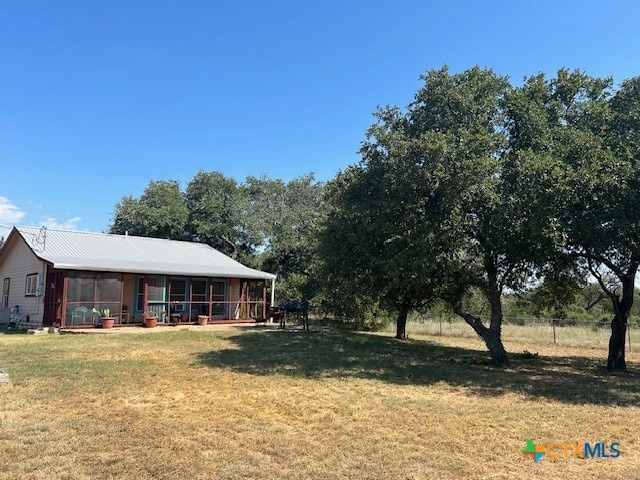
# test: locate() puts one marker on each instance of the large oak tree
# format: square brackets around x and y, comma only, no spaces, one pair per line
[426,213]
[580,164]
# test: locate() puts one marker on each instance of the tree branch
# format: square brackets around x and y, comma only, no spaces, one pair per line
[614,297]
[591,257]
[590,305]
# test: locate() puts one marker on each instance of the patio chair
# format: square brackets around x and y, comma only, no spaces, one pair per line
[79,312]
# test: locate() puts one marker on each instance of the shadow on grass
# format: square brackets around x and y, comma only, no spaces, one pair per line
[572,380]
[4,330]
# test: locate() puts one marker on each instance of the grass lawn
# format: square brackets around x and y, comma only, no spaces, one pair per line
[266,404]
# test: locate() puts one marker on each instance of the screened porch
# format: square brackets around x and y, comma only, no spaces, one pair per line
[76,299]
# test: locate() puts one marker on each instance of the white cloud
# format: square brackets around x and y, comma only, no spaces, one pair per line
[9,213]
[70,224]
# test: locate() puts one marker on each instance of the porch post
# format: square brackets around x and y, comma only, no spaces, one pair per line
[264,301]
[121,297]
[63,320]
[273,291]
[273,297]
[145,297]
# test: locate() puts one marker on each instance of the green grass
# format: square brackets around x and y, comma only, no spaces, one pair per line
[261,403]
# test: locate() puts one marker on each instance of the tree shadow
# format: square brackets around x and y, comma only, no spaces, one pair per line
[571,380]
[6,330]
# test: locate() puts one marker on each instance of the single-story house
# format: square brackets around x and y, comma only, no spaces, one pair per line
[57,278]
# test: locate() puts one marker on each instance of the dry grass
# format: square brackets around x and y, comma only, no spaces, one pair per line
[271,404]
[538,332]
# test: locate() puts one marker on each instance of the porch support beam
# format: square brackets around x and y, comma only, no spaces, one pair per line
[273,296]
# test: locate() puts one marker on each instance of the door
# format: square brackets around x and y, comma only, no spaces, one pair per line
[180,309]
[219,306]
[199,303]
[53,297]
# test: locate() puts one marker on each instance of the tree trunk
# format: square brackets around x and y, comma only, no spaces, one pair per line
[401,323]
[621,307]
[493,341]
[616,360]
[492,336]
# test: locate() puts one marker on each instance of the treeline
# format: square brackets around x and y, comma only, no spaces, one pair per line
[476,188]
[264,223]
[586,304]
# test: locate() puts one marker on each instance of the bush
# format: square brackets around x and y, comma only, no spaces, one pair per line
[355,313]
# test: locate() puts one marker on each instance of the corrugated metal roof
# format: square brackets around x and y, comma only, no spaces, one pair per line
[129,254]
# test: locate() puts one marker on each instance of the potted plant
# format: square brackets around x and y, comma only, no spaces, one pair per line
[95,314]
[150,319]
[106,320]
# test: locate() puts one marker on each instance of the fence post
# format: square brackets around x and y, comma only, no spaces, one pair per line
[553,324]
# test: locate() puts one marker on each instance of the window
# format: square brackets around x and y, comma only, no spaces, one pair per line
[108,289]
[31,286]
[155,291]
[5,293]
[177,290]
[198,290]
[89,290]
[81,288]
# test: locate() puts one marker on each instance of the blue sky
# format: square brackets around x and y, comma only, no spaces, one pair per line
[98,98]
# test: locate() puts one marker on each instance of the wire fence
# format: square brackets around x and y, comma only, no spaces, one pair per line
[556,331]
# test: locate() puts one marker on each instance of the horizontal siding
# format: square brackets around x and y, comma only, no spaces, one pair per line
[18,262]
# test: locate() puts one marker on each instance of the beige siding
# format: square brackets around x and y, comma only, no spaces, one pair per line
[129,289]
[233,296]
[234,289]
[17,262]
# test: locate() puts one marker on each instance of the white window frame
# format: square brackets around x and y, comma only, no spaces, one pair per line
[31,285]
[6,286]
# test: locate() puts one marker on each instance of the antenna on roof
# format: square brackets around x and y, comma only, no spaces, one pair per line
[40,239]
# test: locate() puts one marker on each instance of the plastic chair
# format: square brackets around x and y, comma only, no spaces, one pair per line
[77,313]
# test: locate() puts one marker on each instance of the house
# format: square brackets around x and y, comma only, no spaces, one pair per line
[57,278]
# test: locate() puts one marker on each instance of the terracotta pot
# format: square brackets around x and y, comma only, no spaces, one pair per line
[150,322]
[107,322]
[203,319]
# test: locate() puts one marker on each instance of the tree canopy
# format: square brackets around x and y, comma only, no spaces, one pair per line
[286,216]
[477,186]
[159,212]
[265,223]
[581,165]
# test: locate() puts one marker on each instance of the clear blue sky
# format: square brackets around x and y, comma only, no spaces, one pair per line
[99,97]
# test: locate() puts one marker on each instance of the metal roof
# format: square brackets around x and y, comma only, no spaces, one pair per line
[72,250]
